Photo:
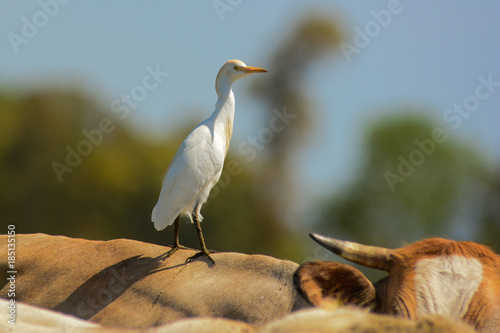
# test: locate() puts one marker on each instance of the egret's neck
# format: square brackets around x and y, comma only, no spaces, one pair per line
[223,115]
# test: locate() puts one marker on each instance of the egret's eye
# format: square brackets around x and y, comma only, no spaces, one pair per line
[236,68]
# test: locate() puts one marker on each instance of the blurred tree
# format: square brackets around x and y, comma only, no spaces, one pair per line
[104,193]
[416,181]
[489,212]
[284,91]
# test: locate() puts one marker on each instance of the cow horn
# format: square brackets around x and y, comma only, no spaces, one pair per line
[369,256]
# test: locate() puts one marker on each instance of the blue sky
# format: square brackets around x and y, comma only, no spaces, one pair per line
[429,57]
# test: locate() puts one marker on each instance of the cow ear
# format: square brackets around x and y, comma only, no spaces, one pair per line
[322,281]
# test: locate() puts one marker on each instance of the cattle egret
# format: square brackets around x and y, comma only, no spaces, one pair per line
[197,165]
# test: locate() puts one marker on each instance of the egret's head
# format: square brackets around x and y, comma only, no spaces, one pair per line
[233,70]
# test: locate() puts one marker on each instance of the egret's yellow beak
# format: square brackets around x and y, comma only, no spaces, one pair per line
[250,69]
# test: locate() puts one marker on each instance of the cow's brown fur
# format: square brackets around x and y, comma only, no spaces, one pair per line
[127,283]
[338,319]
[396,293]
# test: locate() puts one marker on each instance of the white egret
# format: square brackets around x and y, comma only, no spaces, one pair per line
[197,165]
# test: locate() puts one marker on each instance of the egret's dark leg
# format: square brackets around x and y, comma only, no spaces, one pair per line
[204,250]
[176,245]
[176,234]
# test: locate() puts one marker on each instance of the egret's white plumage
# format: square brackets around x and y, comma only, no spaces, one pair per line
[197,165]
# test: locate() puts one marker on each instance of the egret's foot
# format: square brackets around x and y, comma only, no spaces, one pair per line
[174,249]
[201,253]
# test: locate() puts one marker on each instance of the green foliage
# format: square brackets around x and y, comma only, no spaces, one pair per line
[436,189]
[488,212]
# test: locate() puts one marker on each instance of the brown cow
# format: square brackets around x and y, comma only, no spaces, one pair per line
[459,280]
[130,284]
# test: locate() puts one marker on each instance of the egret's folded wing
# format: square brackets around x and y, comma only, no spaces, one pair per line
[191,169]
[177,191]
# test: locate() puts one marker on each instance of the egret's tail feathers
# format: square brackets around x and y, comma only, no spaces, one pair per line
[160,226]
[162,218]
[154,218]
[153,214]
